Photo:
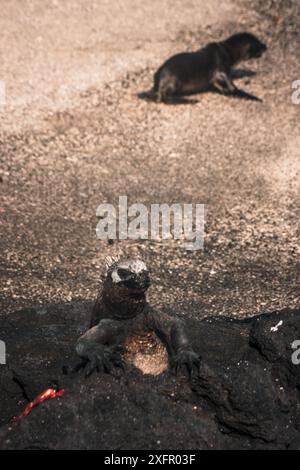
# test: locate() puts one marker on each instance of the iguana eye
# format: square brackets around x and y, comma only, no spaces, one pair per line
[124,273]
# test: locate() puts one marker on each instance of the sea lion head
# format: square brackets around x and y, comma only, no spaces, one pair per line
[245,46]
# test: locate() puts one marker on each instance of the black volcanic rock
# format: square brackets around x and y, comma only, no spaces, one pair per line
[245,397]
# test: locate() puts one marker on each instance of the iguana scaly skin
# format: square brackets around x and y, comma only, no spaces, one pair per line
[121,312]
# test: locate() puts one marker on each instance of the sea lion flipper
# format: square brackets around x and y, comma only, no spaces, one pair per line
[238,93]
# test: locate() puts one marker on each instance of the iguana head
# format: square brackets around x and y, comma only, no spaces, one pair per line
[129,278]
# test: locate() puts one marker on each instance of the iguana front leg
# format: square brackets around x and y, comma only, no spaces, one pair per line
[171,331]
[99,349]
[184,355]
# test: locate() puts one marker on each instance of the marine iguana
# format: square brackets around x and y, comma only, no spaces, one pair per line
[209,67]
[121,312]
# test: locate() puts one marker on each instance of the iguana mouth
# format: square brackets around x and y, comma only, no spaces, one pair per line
[138,283]
[136,293]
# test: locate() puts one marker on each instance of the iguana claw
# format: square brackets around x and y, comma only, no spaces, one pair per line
[186,358]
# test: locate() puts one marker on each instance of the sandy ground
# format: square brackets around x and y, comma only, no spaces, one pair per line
[74,135]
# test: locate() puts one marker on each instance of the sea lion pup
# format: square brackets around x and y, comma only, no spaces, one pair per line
[121,315]
[210,67]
